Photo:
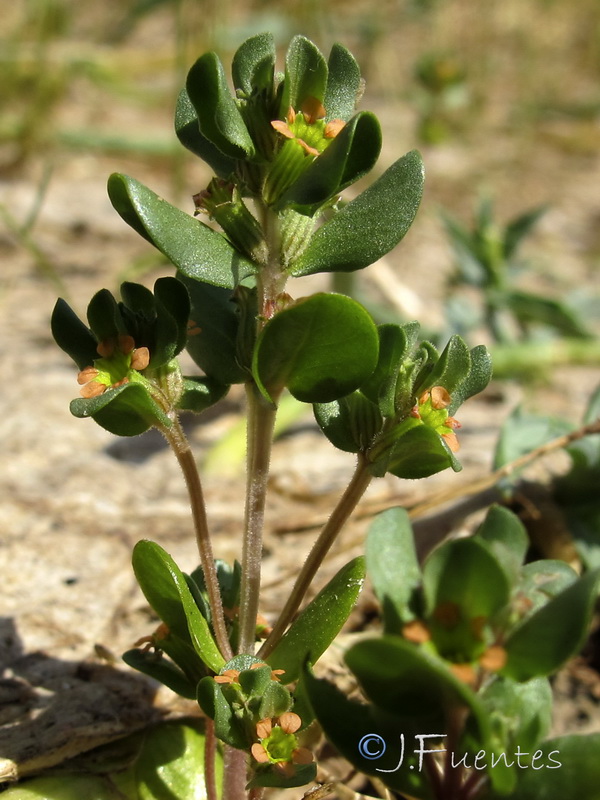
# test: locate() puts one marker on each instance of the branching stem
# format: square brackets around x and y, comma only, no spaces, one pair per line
[180,446]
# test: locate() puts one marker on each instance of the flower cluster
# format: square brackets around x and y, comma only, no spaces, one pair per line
[119,360]
[308,127]
[278,744]
[432,410]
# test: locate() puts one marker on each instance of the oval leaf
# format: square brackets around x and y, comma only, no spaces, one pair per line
[127,410]
[371,225]
[393,567]
[352,154]
[305,75]
[220,119]
[193,247]
[343,84]
[554,633]
[322,348]
[317,626]
[187,129]
[167,591]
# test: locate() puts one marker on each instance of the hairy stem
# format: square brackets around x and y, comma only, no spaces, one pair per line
[346,505]
[180,446]
[210,752]
[261,419]
[234,774]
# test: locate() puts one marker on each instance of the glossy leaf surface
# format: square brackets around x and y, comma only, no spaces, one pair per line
[369,226]
[212,342]
[72,335]
[352,154]
[319,623]
[321,348]
[367,738]
[220,119]
[127,410]
[195,249]
[187,129]
[414,686]
[167,591]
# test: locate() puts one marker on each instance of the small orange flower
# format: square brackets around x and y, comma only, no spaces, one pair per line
[228,676]
[308,128]
[278,744]
[118,357]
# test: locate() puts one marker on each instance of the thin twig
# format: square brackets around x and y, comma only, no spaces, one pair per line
[180,446]
[370,508]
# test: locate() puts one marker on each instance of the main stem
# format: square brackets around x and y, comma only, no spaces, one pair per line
[260,423]
[180,446]
[261,419]
[346,505]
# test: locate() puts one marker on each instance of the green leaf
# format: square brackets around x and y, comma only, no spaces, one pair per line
[171,764]
[393,567]
[276,700]
[522,432]
[478,377]
[520,713]
[367,738]
[173,314]
[464,587]
[369,226]
[218,115]
[343,84]
[228,727]
[567,766]
[72,335]
[518,228]
[305,75]
[506,537]
[452,367]
[554,633]
[127,410]
[352,154]
[212,343]
[104,317]
[395,341]
[319,623]
[187,129]
[253,63]
[321,348]
[195,249]
[418,689]
[535,308]
[166,589]
[200,393]
[67,787]
[349,423]
[161,669]
[418,452]
[303,774]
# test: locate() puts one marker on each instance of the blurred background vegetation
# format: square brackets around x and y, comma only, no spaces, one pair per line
[502,98]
